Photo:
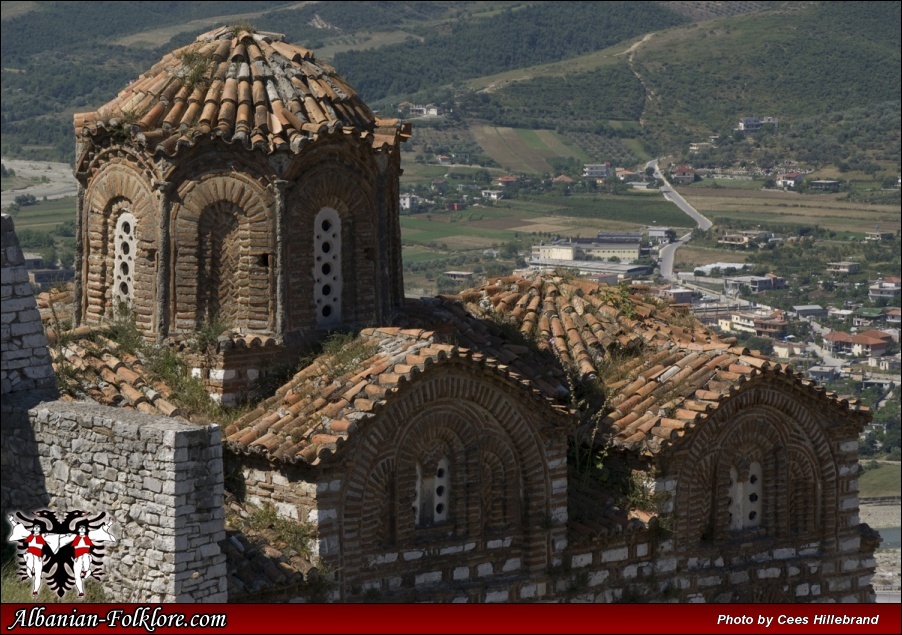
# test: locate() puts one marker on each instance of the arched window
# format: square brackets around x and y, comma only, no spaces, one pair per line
[124,260]
[746,499]
[430,506]
[327,274]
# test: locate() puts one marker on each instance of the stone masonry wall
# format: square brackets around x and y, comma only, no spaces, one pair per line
[160,479]
[25,359]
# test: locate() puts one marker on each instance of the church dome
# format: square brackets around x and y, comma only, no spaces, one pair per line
[247,87]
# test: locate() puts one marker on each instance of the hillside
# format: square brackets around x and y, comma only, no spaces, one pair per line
[798,62]
[646,77]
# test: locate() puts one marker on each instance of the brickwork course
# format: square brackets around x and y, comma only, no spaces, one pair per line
[531,439]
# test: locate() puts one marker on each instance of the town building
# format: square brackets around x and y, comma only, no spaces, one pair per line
[878,236]
[761,323]
[676,294]
[789,180]
[807,311]
[825,185]
[755,284]
[623,246]
[682,175]
[597,170]
[867,344]
[886,288]
[843,267]
[409,202]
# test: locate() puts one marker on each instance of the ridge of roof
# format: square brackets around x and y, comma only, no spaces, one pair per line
[313,414]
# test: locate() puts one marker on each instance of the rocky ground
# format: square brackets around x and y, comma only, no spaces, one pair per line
[889,561]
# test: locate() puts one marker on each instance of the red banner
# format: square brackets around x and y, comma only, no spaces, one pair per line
[450,618]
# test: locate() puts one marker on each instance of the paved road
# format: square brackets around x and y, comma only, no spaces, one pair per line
[668,252]
[61,182]
[674,197]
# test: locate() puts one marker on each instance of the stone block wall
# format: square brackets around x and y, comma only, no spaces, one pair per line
[25,361]
[160,479]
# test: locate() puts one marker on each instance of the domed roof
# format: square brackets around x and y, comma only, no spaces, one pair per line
[246,87]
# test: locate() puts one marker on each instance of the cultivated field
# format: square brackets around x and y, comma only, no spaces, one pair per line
[45,215]
[690,257]
[576,216]
[826,210]
[525,151]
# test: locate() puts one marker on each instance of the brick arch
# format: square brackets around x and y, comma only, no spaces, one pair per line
[466,414]
[116,188]
[337,183]
[755,436]
[223,253]
[500,484]
[380,501]
[785,427]
[443,430]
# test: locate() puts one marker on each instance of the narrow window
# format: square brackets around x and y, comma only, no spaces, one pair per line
[745,498]
[432,499]
[327,267]
[124,261]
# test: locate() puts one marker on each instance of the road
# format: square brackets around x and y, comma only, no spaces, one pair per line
[674,197]
[60,180]
[667,253]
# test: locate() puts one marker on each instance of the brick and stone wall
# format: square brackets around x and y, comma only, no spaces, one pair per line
[25,359]
[809,548]
[160,479]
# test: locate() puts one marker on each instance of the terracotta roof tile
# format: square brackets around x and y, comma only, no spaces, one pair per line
[249,88]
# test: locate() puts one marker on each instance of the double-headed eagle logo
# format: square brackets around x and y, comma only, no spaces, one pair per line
[62,552]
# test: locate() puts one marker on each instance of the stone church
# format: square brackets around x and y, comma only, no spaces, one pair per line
[533,439]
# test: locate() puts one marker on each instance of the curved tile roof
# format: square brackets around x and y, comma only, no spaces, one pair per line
[105,375]
[662,373]
[311,416]
[245,87]
[658,373]
[670,372]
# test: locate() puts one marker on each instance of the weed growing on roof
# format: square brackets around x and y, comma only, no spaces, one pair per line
[194,64]
[345,351]
[67,380]
[238,27]
[288,533]
[619,298]
[124,125]
[209,332]
[122,330]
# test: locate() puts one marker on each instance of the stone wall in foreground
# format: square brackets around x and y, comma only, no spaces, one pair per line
[161,480]
[25,363]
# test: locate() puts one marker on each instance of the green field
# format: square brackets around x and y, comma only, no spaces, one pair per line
[45,215]
[525,151]
[886,480]
[580,215]
[17,182]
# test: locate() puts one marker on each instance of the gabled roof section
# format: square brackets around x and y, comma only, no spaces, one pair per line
[663,372]
[312,415]
[246,87]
